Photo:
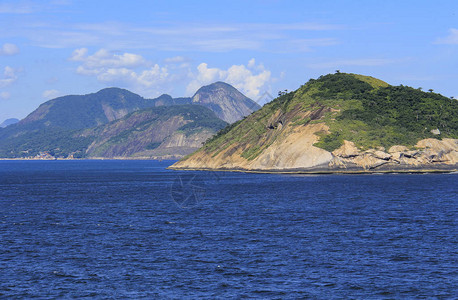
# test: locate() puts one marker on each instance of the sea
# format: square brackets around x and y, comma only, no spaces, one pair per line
[129,229]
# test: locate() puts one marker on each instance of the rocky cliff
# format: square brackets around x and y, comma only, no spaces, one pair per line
[339,123]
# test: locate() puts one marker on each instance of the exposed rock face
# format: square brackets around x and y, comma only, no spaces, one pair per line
[227,102]
[428,153]
[347,150]
[296,153]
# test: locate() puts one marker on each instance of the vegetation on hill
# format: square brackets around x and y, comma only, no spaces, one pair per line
[358,108]
[383,116]
[56,142]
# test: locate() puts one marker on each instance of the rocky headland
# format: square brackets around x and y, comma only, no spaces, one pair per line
[340,123]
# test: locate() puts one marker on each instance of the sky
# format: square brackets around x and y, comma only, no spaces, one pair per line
[52,48]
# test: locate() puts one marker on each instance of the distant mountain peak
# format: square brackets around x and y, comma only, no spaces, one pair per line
[164,96]
[113,91]
[225,100]
[8,122]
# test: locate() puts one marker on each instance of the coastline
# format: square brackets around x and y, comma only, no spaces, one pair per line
[444,169]
[439,169]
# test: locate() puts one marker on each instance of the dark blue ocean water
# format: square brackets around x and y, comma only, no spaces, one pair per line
[132,229]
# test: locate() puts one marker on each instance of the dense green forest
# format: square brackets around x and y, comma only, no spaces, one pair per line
[57,142]
[384,115]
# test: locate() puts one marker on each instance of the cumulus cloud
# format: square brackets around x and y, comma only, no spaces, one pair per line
[451,39]
[126,69]
[251,79]
[9,76]
[50,94]
[134,72]
[105,59]
[9,49]
[5,95]
[146,78]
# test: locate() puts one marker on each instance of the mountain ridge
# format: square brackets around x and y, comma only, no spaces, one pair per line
[55,125]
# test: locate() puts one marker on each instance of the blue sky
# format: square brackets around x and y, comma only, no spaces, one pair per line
[54,48]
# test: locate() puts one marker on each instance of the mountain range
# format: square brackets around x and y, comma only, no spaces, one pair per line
[339,123]
[118,123]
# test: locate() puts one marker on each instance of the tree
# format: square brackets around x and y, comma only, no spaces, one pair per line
[430,90]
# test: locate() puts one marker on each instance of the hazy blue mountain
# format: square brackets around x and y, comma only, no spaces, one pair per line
[83,111]
[56,125]
[167,100]
[8,122]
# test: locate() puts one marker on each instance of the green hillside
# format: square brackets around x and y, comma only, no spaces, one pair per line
[357,108]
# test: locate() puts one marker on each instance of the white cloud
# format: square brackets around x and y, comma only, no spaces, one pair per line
[112,67]
[9,49]
[134,72]
[9,76]
[5,95]
[251,63]
[79,54]
[451,39]
[51,94]
[252,79]
[126,69]
[146,78]
[105,59]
